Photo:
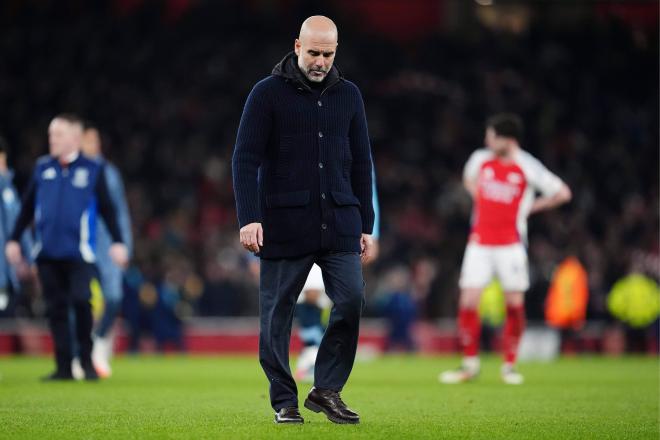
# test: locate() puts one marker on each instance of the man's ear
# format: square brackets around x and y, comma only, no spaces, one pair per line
[296,47]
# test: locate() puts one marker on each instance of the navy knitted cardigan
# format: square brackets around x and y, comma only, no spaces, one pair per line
[302,164]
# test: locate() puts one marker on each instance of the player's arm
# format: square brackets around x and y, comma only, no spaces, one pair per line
[554,192]
[251,139]
[372,254]
[471,172]
[12,211]
[24,219]
[471,187]
[118,196]
[544,203]
[118,250]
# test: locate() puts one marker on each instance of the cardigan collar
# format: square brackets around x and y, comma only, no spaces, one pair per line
[289,70]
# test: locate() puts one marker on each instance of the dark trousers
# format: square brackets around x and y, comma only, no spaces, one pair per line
[281,282]
[66,286]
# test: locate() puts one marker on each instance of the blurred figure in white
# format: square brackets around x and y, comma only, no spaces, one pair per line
[111,275]
[311,303]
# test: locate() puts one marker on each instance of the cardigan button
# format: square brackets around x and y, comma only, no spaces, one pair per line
[320,134]
[324,226]
[320,104]
[320,164]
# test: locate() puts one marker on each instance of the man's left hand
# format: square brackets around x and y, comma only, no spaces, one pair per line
[369,249]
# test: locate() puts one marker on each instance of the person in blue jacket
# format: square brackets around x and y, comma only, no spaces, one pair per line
[64,197]
[111,275]
[10,206]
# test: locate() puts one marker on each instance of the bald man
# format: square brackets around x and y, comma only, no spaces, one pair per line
[303,184]
[65,194]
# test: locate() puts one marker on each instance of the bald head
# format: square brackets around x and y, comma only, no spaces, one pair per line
[64,135]
[316,47]
[318,29]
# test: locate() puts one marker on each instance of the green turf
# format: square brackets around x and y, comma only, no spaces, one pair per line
[397,397]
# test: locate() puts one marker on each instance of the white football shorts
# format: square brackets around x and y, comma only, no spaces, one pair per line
[482,263]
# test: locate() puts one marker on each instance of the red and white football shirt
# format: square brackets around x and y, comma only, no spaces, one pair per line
[505,191]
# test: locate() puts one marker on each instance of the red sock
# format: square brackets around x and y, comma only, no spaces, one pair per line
[469,331]
[513,330]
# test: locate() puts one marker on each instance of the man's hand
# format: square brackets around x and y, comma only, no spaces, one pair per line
[369,249]
[13,253]
[119,254]
[252,237]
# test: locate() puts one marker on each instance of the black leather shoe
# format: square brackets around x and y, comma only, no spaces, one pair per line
[57,376]
[329,402]
[289,415]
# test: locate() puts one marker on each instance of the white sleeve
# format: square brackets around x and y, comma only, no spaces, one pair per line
[541,178]
[473,165]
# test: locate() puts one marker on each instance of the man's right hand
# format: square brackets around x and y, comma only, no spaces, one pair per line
[252,237]
[13,253]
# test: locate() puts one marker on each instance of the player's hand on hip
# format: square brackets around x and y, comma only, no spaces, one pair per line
[13,253]
[252,237]
[368,249]
[119,254]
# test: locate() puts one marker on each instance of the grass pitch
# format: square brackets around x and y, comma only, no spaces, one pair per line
[397,398]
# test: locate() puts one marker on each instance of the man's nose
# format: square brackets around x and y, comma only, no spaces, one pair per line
[318,62]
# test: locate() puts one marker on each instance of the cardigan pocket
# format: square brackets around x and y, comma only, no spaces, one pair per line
[286,216]
[348,219]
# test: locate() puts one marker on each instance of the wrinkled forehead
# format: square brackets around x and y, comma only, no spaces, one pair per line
[321,41]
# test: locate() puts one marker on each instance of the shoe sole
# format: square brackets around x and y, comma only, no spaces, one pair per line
[317,409]
[289,422]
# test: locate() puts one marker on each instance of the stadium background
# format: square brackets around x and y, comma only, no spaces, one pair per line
[166,81]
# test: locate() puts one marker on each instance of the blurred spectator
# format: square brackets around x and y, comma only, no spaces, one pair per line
[10,206]
[397,306]
[635,301]
[169,88]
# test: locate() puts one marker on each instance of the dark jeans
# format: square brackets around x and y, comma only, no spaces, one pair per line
[66,286]
[281,282]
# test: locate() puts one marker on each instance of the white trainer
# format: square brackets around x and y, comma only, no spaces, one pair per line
[469,370]
[101,354]
[76,369]
[305,365]
[510,376]
[459,375]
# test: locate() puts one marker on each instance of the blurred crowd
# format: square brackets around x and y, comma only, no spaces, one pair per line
[167,91]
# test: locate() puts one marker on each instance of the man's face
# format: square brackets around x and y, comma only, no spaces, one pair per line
[91,143]
[315,58]
[63,137]
[497,144]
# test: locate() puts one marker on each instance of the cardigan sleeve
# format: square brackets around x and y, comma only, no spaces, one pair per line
[253,133]
[361,169]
